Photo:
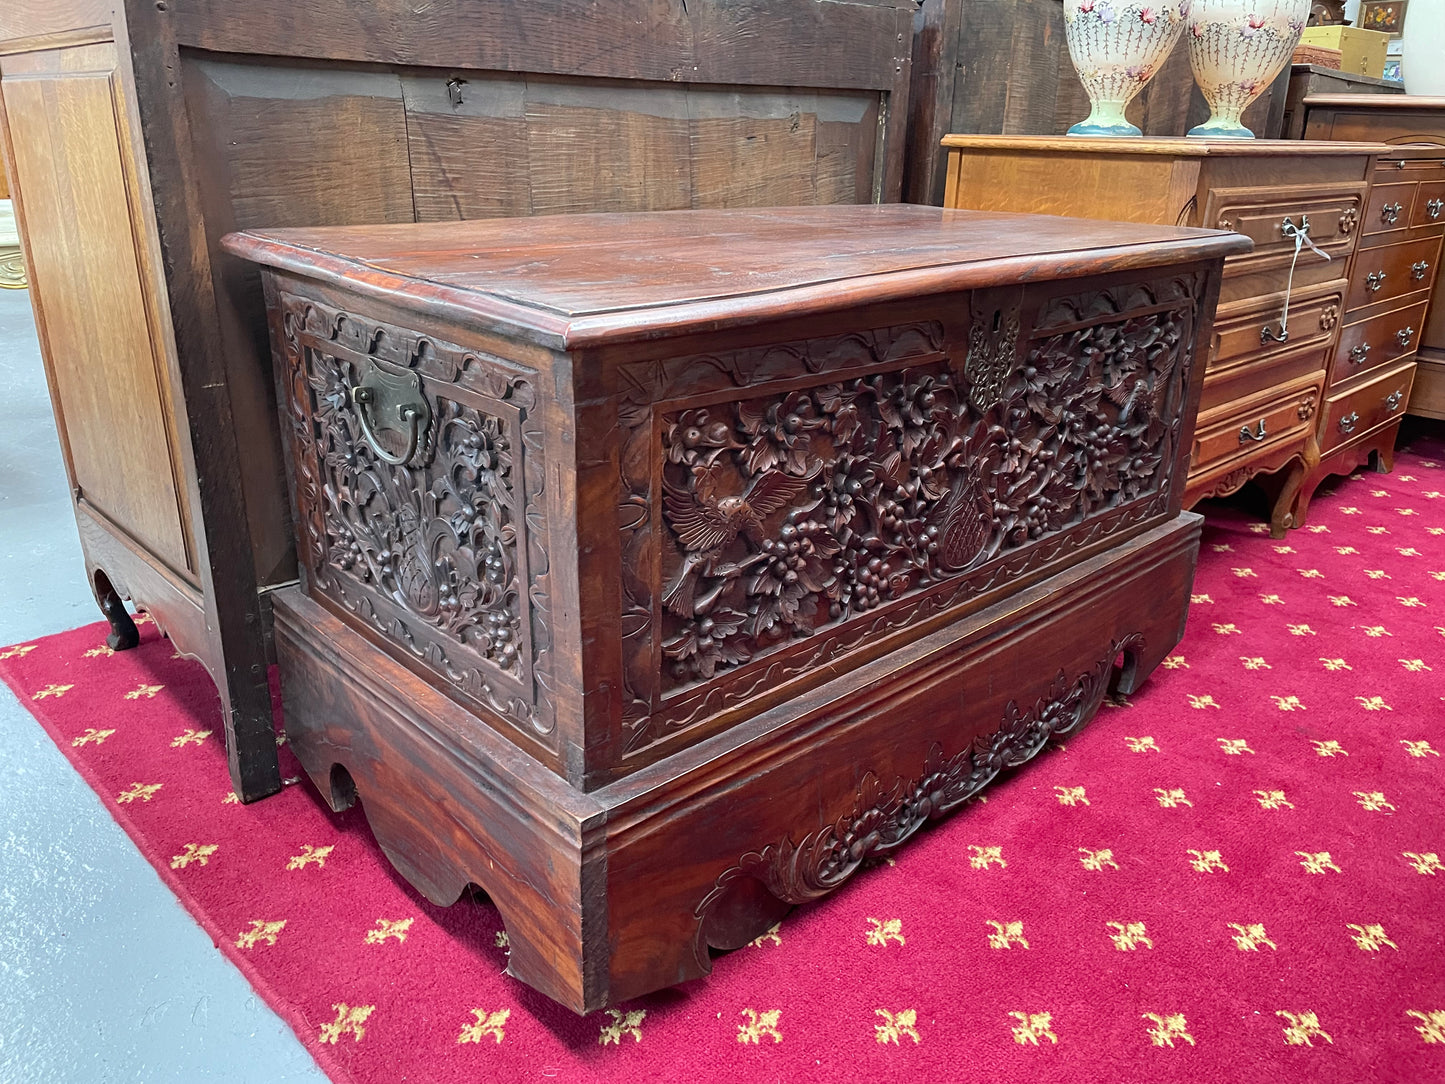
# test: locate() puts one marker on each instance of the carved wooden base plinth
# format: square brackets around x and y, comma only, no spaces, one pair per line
[615,893]
[1380,445]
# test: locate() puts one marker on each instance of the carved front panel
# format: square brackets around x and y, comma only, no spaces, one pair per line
[783,506]
[434,540]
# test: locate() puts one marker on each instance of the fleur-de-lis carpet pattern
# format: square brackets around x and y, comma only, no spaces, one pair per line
[1237,873]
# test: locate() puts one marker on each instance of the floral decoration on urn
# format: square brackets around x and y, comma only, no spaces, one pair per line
[1116,46]
[1236,48]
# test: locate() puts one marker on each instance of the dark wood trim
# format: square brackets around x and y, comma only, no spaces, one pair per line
[809,44]
[233,609]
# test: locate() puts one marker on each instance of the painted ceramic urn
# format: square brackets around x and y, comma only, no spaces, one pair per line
[1236,48]
[1116,46]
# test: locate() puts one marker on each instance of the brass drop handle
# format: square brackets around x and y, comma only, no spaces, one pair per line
[387,400]
[1405,334]
[1390,212]
[1393,400]
[1246,435]
[1358,354]
[1347,423]
[1418,269]
[1433,208]
[1374,280]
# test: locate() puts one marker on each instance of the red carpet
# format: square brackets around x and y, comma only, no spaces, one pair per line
[1237,877]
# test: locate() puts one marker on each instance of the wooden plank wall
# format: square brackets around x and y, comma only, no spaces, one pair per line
[312,145]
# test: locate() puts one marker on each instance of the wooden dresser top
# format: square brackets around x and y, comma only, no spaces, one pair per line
[1176,146]
[1374,101]
[577,280]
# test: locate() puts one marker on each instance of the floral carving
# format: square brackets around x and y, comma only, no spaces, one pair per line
[1329,317]
[913,502]
[1235,479]
[792,512]
[884,818]
[431,553]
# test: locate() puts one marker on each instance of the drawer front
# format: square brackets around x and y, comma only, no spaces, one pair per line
[1249,333]
[1390,209]
[1377,341]
[1252,426]
[1429,209]
[1261,213]
[1393,271]
[1358,412]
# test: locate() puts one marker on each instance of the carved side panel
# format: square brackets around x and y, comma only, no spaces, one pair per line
[860,484]
[442,554]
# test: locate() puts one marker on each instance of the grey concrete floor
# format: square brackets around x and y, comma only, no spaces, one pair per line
[103,975]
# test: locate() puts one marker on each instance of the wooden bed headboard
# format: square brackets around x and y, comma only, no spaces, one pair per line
[335,111]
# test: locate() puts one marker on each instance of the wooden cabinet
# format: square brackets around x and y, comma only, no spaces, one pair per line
[1268,365]
[641,554]
[1392,277]
[74,151]
[1312,79]
[1410,183]
[137,134]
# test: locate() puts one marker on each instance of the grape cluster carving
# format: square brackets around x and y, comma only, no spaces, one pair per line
[787,513]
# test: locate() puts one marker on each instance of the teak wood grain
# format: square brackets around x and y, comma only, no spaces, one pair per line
[656,569]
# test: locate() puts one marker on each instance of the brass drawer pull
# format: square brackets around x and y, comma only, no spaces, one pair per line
[1434,207]
[1405,334]
[1418,269]
[1393,400]
[1374,280]
[1347,423]
[392,398]
[1390,212]
[1358,354]
[1246,435]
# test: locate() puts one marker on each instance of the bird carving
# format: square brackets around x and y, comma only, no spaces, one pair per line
[707,522]
[1139,401]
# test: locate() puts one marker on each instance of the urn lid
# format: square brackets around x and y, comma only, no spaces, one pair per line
[577,280]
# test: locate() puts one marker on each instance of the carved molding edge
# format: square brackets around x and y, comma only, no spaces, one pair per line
[882,820]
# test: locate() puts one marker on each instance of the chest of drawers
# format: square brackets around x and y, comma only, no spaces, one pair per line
[659,569]
[1392,277]
[1263,382]
[1412,195]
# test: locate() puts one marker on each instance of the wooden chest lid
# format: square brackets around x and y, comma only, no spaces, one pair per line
[582,280]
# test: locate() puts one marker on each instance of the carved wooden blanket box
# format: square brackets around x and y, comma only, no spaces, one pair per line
[659,569]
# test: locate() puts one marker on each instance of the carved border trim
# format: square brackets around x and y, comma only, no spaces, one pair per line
[882,820]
